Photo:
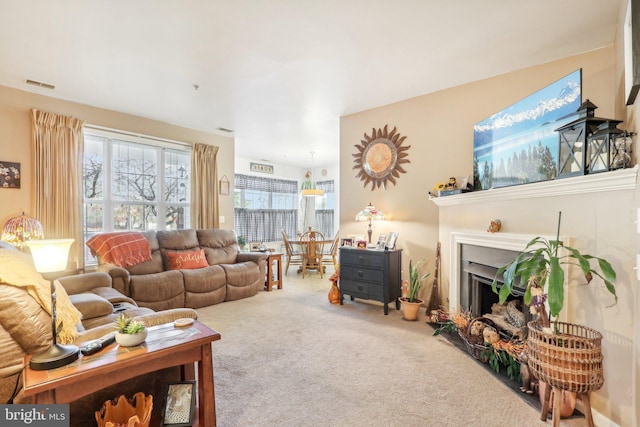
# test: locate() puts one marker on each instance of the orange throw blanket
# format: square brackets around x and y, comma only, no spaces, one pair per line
[124,249]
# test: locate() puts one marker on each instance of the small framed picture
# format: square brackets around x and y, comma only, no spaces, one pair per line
[179,404]
[362,244]
[255,246]
[9,175]
[382,240]
[391,240]
[224,185]
[347,242]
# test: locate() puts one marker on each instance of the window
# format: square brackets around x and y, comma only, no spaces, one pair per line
[264,207]
[134,183]
[325,206]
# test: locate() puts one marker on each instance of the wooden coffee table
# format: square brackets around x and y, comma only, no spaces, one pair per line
[166,346]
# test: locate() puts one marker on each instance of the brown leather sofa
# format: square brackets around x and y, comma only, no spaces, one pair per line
[230,274]
[25,328]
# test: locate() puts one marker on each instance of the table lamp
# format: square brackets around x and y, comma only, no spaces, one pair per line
[50,256]
[369,213]
[20,229]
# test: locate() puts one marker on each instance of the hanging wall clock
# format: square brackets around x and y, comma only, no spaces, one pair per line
[379,158]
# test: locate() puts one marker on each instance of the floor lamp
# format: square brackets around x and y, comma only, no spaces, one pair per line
[51,256]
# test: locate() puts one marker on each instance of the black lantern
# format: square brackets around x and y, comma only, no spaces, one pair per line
[599,146]
[573,156]
[621,150]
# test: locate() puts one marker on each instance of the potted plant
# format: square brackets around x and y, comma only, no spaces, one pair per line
[566,357]
[130,332]
[242,242]
[411,303]
[540,266]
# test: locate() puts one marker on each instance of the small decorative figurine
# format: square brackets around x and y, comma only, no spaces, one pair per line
[495,226]
[452,184]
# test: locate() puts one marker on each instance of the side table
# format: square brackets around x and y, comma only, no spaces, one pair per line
[271,280]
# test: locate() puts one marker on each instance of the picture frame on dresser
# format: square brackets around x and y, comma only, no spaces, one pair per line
[347,242]
[391,241]
[382,242]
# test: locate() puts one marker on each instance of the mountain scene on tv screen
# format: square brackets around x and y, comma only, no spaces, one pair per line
[519,144]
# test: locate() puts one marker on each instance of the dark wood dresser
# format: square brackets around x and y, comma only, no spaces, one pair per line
[371,274]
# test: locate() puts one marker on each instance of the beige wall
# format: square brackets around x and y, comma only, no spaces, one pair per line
[15,142]
[439,128]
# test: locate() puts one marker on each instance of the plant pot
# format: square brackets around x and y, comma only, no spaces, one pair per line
[570,359]
[568,400]
[410,309]
[130,340]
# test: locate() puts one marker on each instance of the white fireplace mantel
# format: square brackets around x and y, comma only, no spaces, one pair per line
[622,179]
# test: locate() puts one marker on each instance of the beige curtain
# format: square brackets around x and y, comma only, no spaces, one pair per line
[205,211]
[58,144]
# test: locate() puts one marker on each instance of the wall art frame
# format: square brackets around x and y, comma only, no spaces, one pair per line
[179,404]
[632,51]
[519,144]
[9,174]
[224,186]
[260,167]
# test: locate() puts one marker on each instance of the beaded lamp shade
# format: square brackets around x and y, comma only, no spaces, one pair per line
[21,229]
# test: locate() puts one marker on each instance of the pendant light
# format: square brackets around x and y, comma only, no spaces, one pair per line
[308,186]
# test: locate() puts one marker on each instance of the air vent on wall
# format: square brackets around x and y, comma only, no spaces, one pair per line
[224,130]
[41,84]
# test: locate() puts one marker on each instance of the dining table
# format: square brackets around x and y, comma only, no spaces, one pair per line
[311,247]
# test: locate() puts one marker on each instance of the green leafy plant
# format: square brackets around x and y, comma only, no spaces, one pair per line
[127,325]
[448,326]
[540,266]
[498,358]
[415,280]
[242,240]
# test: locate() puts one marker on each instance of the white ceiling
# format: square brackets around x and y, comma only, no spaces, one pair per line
[280,73]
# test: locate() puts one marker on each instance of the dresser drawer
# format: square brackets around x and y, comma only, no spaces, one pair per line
[376,291]
[363,274]
[361,258]
[354,288]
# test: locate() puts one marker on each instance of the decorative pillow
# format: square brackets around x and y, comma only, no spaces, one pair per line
[187,260]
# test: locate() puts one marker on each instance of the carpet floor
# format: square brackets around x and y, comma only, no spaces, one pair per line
[291,358]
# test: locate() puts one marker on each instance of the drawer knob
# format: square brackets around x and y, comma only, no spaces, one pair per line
[360,288]
[360,273]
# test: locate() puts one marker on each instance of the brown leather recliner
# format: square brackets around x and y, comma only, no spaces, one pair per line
[25,328]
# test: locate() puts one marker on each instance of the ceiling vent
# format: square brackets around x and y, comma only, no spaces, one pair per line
[224,130]
[41,84]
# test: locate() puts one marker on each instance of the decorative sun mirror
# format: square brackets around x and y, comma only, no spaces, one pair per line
[379,157]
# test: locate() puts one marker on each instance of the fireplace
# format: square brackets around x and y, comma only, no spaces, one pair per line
[475,259]
[479,266]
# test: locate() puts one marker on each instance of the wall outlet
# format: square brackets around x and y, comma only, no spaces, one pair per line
[221,219]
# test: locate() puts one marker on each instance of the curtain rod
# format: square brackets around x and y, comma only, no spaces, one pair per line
[137,135]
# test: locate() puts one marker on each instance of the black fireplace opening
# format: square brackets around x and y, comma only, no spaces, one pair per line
[479,268]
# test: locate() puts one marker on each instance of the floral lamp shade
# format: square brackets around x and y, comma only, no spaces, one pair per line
[370,213]
[21,229]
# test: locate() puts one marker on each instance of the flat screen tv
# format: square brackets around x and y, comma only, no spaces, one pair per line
[519,144]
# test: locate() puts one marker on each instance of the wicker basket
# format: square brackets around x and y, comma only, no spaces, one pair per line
[478,351]
[570,360]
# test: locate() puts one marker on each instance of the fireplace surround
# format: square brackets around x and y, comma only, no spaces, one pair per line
[478,255]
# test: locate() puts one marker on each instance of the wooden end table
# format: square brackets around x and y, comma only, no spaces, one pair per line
[166,346]
[276,258]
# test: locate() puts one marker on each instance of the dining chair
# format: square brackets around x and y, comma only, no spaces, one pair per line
[294,256]
[331,254]
[312,246]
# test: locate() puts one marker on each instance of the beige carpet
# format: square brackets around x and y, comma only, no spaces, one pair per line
[290,358]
